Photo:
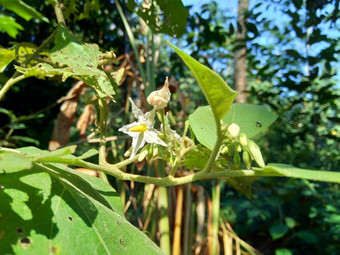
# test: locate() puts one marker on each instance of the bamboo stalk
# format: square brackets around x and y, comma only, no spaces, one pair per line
[164,229]
[200,211]
[215,217]
[187,222]
[227,240]
[176,248]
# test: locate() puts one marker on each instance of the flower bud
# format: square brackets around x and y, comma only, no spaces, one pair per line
[238,147]
[224,150]
[233,130]
[246,159]
[243,139]
[155,152]
[128,152]
[160,98]
[143,154]
[256,153]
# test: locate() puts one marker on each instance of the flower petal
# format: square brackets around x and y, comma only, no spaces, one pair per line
[137,143]
[151,136]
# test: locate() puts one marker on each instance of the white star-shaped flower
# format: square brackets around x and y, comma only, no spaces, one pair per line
[142,130]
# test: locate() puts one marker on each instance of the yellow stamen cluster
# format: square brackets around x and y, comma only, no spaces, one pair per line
[139,128]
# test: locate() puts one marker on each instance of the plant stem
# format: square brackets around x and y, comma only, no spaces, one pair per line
[217,147]
[13,80]
[176,247]
[161,181]
[58,12]
[102,130]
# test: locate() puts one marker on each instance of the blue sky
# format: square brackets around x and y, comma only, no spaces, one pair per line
[278,19]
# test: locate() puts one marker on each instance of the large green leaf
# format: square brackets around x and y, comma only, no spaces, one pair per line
[9,26]
[291,171]
[54,209]
[218,94]
[252,119]
[22,9]
[162,16]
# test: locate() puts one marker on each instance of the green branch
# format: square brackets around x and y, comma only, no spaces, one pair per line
[214,154]
[161,181]
[13,80]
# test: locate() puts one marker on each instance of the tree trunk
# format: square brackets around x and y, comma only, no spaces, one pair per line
[240,74]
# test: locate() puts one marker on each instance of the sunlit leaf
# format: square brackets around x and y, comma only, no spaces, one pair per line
[252,120]
[76,60]
[22,9]
[218,94]
[6,57]
[9,26]
[291,171]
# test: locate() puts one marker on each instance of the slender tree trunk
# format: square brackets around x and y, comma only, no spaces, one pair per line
[240,75]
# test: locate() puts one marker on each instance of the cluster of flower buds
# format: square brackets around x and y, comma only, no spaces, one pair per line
[236,142]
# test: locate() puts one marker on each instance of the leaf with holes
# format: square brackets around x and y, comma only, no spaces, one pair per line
[74,59]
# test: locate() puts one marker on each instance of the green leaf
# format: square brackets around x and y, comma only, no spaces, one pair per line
[46,155]
[9,26]
[54,209]
[13,161]
[283,252]
[290,222]
[6,57]
[252,119]
[278,230]
[218,94]
[24,139]
[22,9]
[308,236]
[314,175]
[82,61]
[162,16]
[88,154]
